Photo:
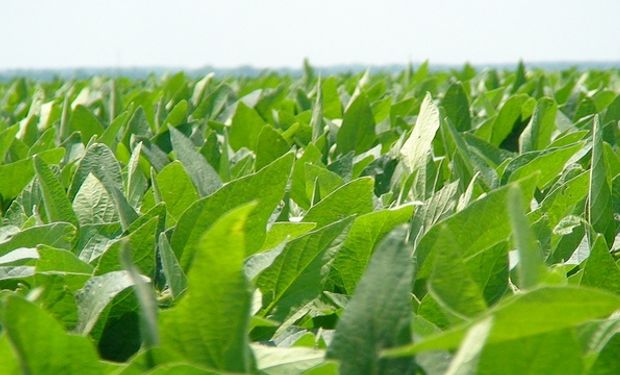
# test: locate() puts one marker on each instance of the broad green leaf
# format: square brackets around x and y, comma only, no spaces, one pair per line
[146,300]
[95,296]
[142,243]
[420,140]
[100,161]
[537,133]
[600,270]
[354,198]
[85,122]
[365,233]
[6,139]
[178,114]
[451,284]
[93,204]
[561,201]
[41,343]
[53,260]
[61,235]
[22,172]
[270,146]
[204,176]
[175,277]
[175,188]
[299,194]
[438,206]
[297,273]
[535,312]
[549,353]
[480,225]
[600,214]
[456,105]
[57,206]
[506,118]
[285,231]
[324,179]
[547,165]
[245,127]
[332,106]
[606,361]
[470,160]
[9,363]
[286,361]
[531,267]
[209,325]
[181,369]
[357,132]
[466,360]
[267,186]
[379,314]
[110,135]
[136,181]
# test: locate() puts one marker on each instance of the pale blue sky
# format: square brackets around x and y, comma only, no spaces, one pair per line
[275,33]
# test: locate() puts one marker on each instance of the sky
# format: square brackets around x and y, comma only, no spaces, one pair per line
[280,33]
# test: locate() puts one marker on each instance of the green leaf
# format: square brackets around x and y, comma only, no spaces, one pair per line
[175,277]
[379,314]
[506,118]
[6,140]
[178,114]
[480,225]
[111,134]
[465,361]
[285,231]
[85,122]
[146,299]
[142,243]
[57,206]
[204,176]
[548,165]
[296,275]
[456,105]
[53,260]
[59,235]
[136,182]
[33,332]
[9,362]
[420,140]
[209,325]
[22,172]
[600,214]
[93,204]
[270,146]
[267,186]
[535,312]
[451,284]
[365,233]
[357,132]
[600,270]
[245,127]
[286,361]
[548,353]
[100,161]
[537,133]
[95,296]
[354,198]
[531,267]
[326,180]
[175,188]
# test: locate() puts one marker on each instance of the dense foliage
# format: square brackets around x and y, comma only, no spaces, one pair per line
[458,222]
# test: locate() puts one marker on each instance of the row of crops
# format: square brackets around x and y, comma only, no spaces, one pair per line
[425,222]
